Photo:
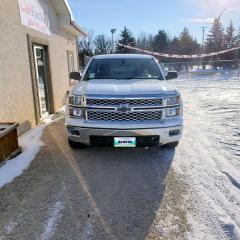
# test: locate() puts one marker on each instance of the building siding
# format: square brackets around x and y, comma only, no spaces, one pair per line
[16,94]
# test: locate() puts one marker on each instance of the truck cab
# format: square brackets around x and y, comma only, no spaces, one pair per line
[124,100]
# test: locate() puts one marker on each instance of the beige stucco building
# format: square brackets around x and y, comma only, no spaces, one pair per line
[38,49]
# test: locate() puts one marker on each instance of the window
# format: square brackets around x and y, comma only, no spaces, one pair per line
[123,69]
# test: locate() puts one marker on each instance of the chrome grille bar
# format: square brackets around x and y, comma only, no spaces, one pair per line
[120,108]
[130,101]
[94,115]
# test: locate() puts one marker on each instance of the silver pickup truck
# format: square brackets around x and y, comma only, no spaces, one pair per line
[124,101]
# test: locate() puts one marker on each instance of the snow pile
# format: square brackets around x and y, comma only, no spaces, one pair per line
[55,117]
[209,155]
[31,144]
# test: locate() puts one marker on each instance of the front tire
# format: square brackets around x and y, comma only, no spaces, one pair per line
[75,145]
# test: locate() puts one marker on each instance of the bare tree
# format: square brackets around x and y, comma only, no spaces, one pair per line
[85,47]
[145,41]
[102,45]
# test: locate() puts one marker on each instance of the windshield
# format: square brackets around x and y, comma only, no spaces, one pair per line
[123,69]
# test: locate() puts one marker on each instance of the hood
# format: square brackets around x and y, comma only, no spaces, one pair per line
[123,87]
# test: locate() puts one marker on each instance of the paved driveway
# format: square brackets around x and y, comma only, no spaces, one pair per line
[95,193]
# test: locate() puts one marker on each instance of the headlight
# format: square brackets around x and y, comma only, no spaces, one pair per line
[173,100]
[172,112]
[76,112]
[75,100]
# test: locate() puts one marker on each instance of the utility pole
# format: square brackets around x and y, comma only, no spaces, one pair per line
[203,36]
[113,30]
[203,41]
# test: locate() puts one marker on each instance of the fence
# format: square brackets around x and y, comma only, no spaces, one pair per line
[205,68]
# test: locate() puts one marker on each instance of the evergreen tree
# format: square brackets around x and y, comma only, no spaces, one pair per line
[230,37]
[126,38]
[215,40]
[187,44]
[237,44]
[174,45]
[237,40]
[161,42]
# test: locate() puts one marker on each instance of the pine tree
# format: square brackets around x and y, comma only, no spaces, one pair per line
[230,37]
[187,44]
[174,45]
[161,42]
[215,40]
[237,43]
[126,38]
[237,40]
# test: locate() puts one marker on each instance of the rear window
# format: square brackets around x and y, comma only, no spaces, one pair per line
[123,69]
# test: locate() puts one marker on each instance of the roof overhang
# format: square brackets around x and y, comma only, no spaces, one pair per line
[66,18]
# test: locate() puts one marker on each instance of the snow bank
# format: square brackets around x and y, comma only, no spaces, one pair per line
[31,144]
[54,117]
[209,155]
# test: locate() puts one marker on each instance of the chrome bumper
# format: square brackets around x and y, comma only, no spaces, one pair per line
[82,134]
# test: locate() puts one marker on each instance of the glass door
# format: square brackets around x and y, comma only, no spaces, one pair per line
[41,75]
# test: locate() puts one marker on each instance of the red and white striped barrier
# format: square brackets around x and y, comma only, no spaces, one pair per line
[178,56]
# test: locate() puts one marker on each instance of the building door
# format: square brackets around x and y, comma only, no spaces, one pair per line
[41,77]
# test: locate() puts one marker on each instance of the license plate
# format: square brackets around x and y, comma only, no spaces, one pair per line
[124,142]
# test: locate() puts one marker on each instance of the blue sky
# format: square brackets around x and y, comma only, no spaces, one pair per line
[151,15]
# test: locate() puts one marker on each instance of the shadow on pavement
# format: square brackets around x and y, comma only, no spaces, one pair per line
[104,193]
[126,186]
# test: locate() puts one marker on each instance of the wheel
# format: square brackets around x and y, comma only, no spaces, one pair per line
[171,145]
[75,145]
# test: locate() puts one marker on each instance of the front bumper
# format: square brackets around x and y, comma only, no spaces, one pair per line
[83,134]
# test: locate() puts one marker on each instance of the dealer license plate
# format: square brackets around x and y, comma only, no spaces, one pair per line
[124,142]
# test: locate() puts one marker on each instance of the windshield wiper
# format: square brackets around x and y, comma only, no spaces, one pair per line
[137,78]
[129,78]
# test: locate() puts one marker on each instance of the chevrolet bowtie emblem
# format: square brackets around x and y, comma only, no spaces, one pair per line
[124,108]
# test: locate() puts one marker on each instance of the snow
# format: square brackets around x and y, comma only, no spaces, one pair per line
[52,220]
[31,144]
[208,156]
[54,118]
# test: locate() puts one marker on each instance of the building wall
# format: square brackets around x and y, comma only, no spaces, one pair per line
[16,95]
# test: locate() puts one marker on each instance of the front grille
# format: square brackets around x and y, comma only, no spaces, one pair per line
[131,102]
[121,116]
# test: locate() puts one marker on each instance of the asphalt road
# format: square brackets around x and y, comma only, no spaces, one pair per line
[94,193]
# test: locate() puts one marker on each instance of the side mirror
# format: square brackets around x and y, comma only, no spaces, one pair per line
[171,75]
[75,75]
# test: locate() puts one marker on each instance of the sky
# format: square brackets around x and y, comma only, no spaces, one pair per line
[149,16]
